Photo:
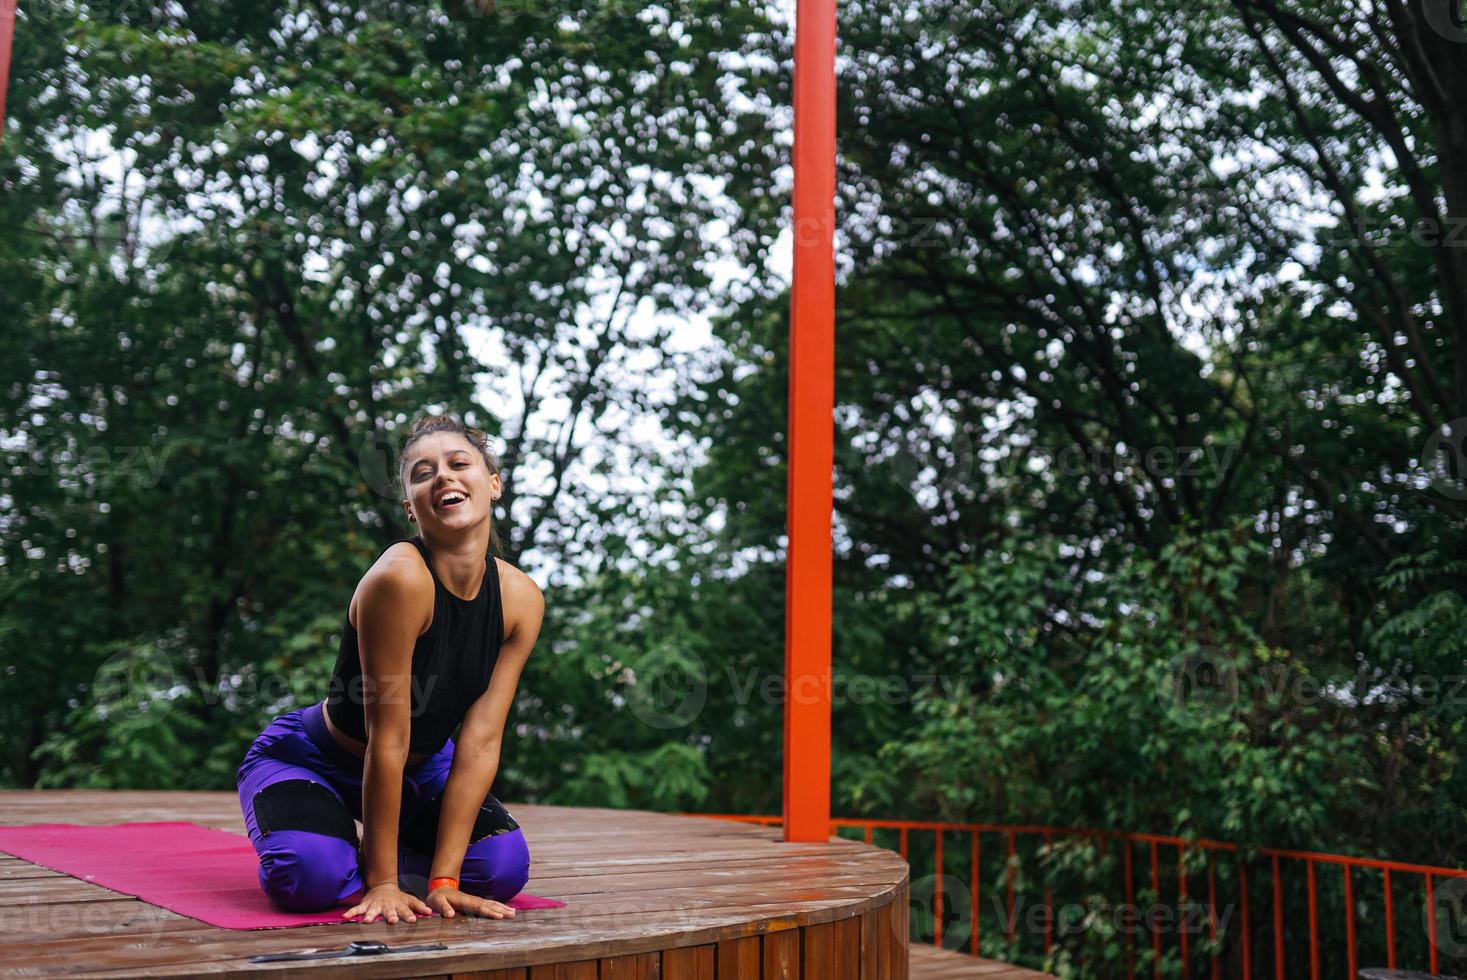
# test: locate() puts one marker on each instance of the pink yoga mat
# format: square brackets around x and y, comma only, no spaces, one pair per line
[207,874]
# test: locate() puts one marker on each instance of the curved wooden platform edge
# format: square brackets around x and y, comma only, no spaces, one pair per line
[649,895]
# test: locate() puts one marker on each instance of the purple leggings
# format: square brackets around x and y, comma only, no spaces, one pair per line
[301,793]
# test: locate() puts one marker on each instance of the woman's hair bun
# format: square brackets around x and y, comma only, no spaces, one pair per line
[428,423]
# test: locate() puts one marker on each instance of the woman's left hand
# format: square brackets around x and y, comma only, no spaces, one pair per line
[447,902]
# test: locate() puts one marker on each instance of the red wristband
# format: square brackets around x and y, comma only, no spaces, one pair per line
[435,883]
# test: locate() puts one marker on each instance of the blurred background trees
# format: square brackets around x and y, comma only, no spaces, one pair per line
[1152,342]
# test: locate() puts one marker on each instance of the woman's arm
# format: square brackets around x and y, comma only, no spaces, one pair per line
[393,609]
[476,753]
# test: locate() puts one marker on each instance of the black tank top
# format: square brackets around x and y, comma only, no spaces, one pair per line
[452,662]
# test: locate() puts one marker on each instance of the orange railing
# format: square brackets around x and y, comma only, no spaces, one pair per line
[1241,937]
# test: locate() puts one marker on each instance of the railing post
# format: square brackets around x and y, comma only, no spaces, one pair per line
[1048,899]
[1278,922]
[1156,897]
[973,887]
[1247,929]
[1313,924]
[1013,867]
[1131,910]
[1390,922]
[1431,924]
[937,894]
[1350,922]
[1212,913]
[1182,910]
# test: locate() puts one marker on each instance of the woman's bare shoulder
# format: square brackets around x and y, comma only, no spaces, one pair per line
[398,569]
[398,577]
[524,603]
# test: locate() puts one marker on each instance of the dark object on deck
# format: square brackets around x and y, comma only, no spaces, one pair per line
[368,947]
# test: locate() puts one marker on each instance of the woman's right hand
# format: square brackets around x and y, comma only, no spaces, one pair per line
[390,902]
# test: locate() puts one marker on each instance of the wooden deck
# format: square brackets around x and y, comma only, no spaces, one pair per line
[933,963]
[649,895]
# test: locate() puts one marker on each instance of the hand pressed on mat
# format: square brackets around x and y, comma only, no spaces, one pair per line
[447,902]
[390,902]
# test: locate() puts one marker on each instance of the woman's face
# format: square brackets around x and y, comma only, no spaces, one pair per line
[447,483]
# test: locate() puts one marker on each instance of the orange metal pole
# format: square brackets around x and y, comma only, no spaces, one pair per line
[1390,922]
[1247,935]
[1350,921]
[1182,909]
[973,888]
[1278,922]
[937,897]
[1048,904]
[1313,925]
[1212,915]
[7,34]
[811,450]
[1156,897]
[1431,926]
[1130,910]
[1013,864]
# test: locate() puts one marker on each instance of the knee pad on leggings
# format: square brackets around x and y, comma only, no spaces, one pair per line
[299,804]
[308,845]
[497,862]
[421,833]
[496,867]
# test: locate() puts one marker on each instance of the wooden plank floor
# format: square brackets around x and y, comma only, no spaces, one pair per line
[934,963]
[635,882]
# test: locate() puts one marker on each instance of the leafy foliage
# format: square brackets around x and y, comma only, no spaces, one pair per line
[1143,340]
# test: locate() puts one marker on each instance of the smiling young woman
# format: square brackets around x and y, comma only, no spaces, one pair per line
[435,638]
